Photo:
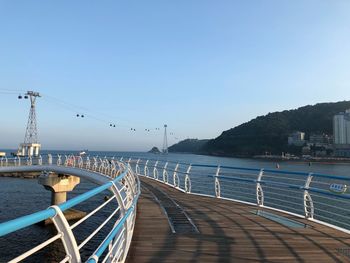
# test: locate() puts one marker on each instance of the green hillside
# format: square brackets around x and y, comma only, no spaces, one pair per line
[269,133]
[188,146]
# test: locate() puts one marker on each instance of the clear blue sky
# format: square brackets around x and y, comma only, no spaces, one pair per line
[200,66]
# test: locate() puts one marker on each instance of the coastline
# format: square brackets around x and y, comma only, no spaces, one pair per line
[322,160]
[278,158]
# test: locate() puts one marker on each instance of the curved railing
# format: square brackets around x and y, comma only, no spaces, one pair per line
[113,175]
[321,198]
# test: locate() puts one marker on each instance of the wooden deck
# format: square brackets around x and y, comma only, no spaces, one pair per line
[229,232]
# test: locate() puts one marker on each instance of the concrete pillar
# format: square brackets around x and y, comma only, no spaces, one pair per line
[59,185]
[58,198]
[23,150]
[36,152]
[30,151]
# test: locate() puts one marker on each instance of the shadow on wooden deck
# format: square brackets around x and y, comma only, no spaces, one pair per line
[229,232]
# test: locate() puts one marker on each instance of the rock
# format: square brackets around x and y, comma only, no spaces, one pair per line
[154,150]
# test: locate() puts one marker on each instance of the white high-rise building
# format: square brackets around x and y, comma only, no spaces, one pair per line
[341,127]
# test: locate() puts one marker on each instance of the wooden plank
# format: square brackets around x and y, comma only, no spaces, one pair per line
[229,232]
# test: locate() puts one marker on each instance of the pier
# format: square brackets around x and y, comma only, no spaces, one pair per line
[178,212]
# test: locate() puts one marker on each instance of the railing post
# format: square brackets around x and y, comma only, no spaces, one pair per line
[188,185]
[49,159]
[308,202]
[165,173]
[176,180]
[128,180]
[137,167]
[80,162]
[155,171]
[101,166]
[145,169]
[259,190]
[122,213]
[95,165]
[74,161]
[87,163]
[59,160]
[217,183]
[68,239]
[105,167]
[113,169]
[40,160]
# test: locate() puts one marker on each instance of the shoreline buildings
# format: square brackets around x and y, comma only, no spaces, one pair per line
[341,134]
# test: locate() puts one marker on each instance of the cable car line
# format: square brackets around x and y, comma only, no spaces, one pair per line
[80,112]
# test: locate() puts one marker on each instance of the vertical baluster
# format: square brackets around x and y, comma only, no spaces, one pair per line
[165,173]
[176,181]
[59,160]
[155,171]
[137,167]
[308,202]
[49,159]
[68,238]
[217,183]
[146,170]
[188,185]
[259,190]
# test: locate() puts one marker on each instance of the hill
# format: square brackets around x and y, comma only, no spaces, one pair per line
[154,150]
[269,133]
[188,146]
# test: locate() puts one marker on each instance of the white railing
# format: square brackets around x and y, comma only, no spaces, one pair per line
[113,175]
[321,198]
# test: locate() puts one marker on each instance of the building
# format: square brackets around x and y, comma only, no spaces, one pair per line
[341,133]
[341,128]
[342,150]
[320,139]
[297,138]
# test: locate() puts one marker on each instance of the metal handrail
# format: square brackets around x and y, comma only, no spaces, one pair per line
[119,182]
[222,182]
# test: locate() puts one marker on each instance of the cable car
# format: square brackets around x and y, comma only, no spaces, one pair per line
[78,115]
[19,97]
[25,96]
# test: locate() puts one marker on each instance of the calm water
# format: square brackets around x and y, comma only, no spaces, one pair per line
[19,197]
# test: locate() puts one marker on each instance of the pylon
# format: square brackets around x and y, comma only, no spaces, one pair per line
[165,141]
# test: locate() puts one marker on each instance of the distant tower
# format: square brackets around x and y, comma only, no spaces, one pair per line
[32,130]
[165,141]
[31,146]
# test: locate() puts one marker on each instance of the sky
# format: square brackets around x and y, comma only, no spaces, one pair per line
[199,66]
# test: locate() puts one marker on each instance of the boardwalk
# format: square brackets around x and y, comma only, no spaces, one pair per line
[228,232]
